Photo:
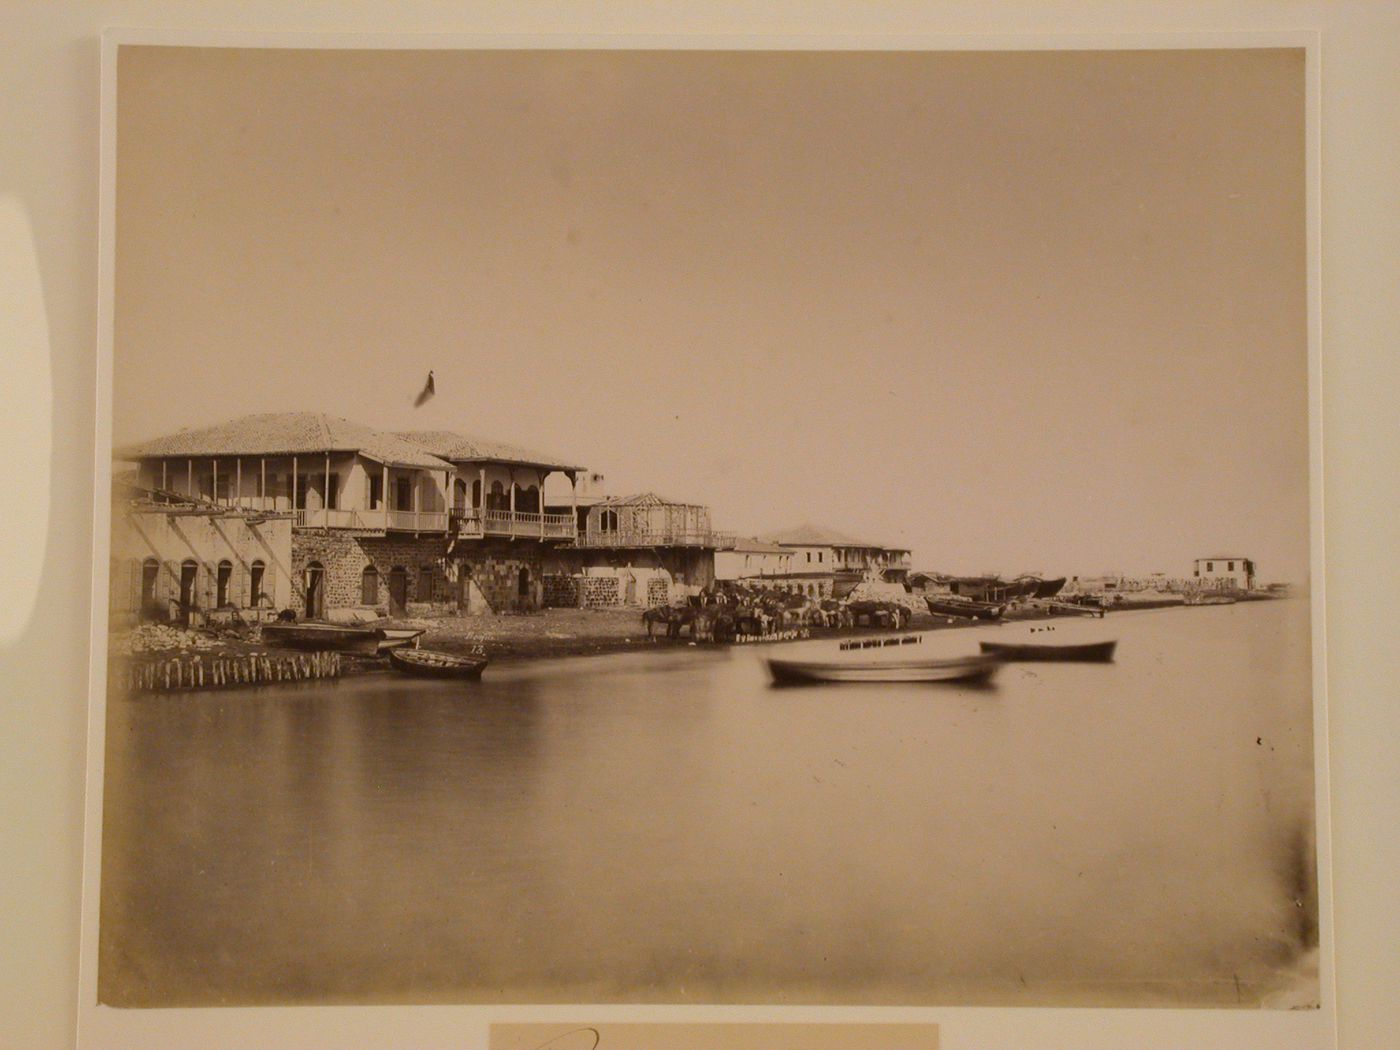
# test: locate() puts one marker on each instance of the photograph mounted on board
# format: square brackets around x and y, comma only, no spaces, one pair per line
[709,527]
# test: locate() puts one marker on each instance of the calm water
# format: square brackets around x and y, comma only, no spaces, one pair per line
[666,826]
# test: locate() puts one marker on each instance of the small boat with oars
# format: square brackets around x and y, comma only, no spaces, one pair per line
[318,637]
[899,658]
[430,663]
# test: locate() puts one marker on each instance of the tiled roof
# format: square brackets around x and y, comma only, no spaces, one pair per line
[814,536]
[448,444]
[750,545]
[287,433]
[643,499]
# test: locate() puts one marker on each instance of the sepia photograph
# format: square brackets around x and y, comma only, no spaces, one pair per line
[817,528]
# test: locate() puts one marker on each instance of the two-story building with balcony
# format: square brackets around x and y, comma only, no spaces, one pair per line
[829,563]
[636,550]
[192,562]
[500,530]
[377,521]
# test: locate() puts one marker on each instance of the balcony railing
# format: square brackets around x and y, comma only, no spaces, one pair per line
[521,524]
[379,520]
[657,538]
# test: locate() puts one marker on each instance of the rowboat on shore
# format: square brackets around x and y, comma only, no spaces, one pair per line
[1091,652]
[429,663]
[338,637]
[964,607]
[900,658]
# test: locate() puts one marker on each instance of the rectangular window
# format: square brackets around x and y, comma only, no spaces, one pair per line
[1210,566]
[376,491]
[403,493]
[333,492]
[301,492]
[1230,566]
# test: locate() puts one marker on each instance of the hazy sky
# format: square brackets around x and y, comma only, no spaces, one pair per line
[1040,311]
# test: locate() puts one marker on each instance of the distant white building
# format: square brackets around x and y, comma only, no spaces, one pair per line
[1225,571]
[753,560]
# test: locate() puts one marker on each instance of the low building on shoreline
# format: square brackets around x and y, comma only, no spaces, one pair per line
[829,563]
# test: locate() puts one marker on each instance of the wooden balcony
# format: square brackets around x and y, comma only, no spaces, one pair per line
[704,538]
[473,523]
[370,521]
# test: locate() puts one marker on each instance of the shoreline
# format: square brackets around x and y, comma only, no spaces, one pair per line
[550,634]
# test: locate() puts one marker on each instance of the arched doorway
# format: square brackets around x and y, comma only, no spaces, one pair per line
[523,586]
[189,570]
[150,573]
[315,590]
[398,590]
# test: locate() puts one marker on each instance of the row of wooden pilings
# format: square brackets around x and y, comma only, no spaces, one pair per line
[220,672]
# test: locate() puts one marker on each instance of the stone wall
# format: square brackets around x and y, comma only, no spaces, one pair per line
[479,578]
[561,591]
[601,591]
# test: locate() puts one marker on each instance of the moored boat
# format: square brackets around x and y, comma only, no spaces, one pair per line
[1091,652]
[315,636]
[429,663]
[964,607]
[901,658]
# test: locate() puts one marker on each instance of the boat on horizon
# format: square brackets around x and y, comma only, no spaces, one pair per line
[1019,652]
[897,658]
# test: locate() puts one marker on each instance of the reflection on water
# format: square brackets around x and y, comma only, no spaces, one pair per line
[668,827]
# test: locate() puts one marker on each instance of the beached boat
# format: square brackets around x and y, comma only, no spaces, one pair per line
[964,607]
[399,638]
[339,637]
[428,663]
[1049,588]
[901,658]
[1090,652]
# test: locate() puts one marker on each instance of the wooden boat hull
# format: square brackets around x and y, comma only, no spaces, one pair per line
[395,638]
[318,637]
[427,663]
[1093,652]
[966,609]
[1049,588]
[963,669]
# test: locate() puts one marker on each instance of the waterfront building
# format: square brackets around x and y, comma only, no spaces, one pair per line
[194,563]
[501,532]
[1224,571]
[754,562]
[827,562]
[378,522]
[637,550]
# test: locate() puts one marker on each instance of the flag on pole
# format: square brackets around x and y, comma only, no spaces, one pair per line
[424,394]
